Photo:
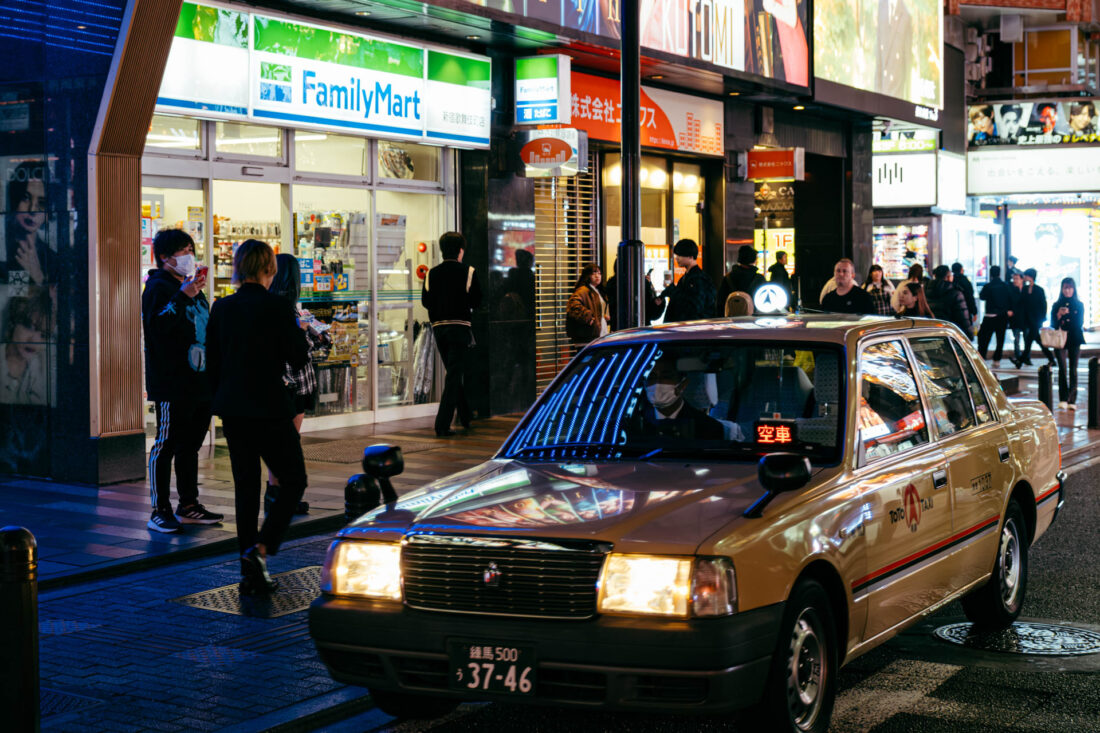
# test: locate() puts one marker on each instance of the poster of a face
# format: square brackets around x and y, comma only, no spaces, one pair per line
[1012,119]
[1034,123]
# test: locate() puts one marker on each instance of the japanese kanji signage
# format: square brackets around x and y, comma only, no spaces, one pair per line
[668,120]
[542,90]
[1032,170]
[781,164]
[1050,122]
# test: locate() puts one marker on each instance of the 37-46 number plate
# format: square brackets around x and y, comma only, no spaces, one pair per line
[492,667]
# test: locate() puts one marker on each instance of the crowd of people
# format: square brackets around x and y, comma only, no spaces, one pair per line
[1014,303]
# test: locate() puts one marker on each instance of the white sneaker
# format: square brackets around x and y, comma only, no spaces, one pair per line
[1062,405]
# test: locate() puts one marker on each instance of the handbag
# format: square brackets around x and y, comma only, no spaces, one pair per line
[1052,338]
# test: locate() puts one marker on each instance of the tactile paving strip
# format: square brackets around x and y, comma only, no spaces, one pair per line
[297,589]
[1025,637]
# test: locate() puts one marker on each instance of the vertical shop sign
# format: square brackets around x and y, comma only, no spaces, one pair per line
[460,98]
[543,90]
[209,46]
[668,120]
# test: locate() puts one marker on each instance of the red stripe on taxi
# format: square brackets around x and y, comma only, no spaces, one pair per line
[927,551]
[1039,499]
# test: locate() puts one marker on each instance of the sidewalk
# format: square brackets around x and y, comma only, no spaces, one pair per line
[85,532]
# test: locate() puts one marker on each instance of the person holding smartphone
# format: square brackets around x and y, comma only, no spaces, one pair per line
[1068,314]
[174,314]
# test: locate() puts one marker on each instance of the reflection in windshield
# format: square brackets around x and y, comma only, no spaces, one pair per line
[571,506]
[714,399]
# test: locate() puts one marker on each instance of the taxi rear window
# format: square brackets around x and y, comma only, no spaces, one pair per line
[715,399]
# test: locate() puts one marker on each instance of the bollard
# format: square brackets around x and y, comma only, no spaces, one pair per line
[19,693]
[1046,390]
[1093,393]
[361,494]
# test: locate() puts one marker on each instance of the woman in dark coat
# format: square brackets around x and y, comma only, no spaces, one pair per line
[586,315]
[1068,314]
[252,337]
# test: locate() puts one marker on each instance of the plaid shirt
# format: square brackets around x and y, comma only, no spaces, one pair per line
[304,381]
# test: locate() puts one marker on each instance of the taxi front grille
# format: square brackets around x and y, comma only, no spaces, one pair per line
[502,576]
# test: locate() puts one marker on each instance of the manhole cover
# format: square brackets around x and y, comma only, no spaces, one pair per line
[1024,637]
[56,703]
[296,591]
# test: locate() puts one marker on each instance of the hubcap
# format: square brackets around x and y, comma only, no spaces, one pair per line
[1010,565]
[806,670]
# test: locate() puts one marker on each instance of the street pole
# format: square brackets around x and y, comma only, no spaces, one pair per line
[631,257]
[19,692]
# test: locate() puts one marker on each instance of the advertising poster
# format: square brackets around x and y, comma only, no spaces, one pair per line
[1058,244]
[1033,123]
[1032,170]
[668,120]
[209,42]
[890,47]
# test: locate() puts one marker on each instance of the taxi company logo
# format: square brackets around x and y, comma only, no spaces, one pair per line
[982,484]
[546,152]
[911,509]
[771,299]
[490,576]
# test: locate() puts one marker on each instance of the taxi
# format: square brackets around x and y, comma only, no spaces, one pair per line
[702,517]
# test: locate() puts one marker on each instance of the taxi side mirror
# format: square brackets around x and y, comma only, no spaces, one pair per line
[383,461]
[779,472]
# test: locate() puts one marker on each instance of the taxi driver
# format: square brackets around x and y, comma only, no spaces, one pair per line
[674,416]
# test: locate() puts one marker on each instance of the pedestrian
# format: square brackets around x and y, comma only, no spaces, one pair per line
[302,382]
[451,293]
[174,316]
[254,334]
[742,277]
[1012,270]
[947,302]
[777,273]
[998,297]
[915,275]
[847,297]
[1068,314]
[1035,309]
[962,284]
[653,307]
[586,314]
[880,289]
[913,302]
[1018,320]
[693,298]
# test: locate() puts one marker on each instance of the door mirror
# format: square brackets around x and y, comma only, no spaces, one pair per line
[780,472]
[383,461]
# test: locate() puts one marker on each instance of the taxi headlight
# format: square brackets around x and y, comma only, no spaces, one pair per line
[667,586]
[368,569]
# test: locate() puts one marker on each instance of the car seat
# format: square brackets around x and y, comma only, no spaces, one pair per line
[774,389]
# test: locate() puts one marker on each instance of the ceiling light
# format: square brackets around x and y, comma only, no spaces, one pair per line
[799,107]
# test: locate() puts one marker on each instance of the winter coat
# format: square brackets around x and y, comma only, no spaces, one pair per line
[585,314]
[691,299]
[963,285]
[1073,322]
[998,297]
[740,278]
[1035,305]
[949,304]
[174,325]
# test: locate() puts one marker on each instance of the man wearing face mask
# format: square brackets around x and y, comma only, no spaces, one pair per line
[174,314]
[673,416]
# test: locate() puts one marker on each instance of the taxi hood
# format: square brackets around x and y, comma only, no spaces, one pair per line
[668,507]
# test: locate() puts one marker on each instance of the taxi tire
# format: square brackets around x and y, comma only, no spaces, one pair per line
[986,607]
[410,706]
[809,627]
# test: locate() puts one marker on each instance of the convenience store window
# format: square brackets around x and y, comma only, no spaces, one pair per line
[174,135]
[320,152]
[239,140]
[242,210]
[409,161]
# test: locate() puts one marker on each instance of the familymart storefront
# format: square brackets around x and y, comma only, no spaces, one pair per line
[334,146]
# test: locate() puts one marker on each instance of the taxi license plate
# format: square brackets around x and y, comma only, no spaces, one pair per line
[492,667]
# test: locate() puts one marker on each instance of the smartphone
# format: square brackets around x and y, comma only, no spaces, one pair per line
[200,271]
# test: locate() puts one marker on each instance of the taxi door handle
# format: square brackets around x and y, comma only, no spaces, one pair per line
[1003,452]
[939,479]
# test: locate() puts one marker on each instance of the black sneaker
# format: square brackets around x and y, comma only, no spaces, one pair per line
[162,520]
[197,514]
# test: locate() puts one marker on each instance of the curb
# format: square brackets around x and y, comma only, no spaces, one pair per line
[308,715]
[304,528]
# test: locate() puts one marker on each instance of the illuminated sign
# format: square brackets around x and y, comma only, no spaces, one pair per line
[781,164]
[1032,170]
[771,298]
[557,152]
[775,432]
[542,90]
[1050,122]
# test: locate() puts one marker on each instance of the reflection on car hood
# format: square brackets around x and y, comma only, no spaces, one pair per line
[654,507]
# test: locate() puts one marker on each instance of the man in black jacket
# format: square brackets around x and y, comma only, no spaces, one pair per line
[174,315]
[451,293]
[254,335]
[947,302]
[998,297]
[691,299]
[777,273]
[963,285]
[742,277]
[1034,303]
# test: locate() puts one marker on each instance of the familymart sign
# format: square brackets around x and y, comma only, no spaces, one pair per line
[230,64]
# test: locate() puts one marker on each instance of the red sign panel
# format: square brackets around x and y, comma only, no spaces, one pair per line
[783,163]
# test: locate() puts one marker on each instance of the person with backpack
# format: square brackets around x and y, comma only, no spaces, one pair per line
[948,302]
[742,277]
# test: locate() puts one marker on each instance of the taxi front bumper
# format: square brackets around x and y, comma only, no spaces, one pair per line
[707,665]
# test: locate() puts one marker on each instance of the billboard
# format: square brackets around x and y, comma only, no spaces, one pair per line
[1047,122]
[889,47]
[235,65]
[1032,170]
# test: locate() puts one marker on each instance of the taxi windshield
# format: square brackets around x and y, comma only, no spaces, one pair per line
[688,399]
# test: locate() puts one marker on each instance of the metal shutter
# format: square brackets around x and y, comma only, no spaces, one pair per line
[565,240]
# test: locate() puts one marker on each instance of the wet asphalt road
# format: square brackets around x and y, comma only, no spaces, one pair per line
[914,683]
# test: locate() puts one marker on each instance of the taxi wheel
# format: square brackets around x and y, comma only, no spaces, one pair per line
[414,707]
[802,683]
[997,603]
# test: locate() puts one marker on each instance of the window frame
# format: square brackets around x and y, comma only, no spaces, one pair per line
[920,385]
[862,461]
[961,354]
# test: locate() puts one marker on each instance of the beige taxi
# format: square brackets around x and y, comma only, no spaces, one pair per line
[701,518]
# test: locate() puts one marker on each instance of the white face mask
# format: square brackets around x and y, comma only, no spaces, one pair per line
[185,265]
[661,394]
